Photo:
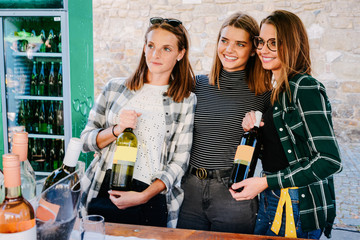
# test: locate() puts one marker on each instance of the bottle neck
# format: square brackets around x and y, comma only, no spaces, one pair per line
[13,192]
[68,168]
[128,130]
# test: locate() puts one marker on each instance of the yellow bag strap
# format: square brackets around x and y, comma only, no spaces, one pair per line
[290,229]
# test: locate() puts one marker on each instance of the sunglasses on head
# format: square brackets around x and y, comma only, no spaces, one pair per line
[160,20]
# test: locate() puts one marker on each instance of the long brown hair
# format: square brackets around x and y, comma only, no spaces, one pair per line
[293,49]
[182,78]
[254,70]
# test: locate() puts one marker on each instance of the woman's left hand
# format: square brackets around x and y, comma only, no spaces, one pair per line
[252,187]
[123,199]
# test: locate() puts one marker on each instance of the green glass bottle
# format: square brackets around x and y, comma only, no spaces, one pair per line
[68,166]
[42,81]
[59,119]
[34,156]
[51,119]
[42,118]
[59,45]
[34,81]
[52,91]
[35,111]
[124,161]
[21,114]
[43,40]
[60,81]
[28,117]
[50,41]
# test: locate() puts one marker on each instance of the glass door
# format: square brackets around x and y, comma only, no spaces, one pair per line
[34,87]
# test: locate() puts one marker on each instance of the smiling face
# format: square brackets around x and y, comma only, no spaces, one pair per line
[161,53]
[234,48]
[269,59]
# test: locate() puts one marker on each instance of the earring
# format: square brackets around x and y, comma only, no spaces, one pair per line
[253,54]
[178,60]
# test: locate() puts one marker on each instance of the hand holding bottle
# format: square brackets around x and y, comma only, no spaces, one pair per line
[126,199]
[251,188]
[127,119]
[249,121]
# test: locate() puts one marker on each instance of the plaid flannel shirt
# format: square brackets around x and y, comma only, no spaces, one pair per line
[306,132]
[179,118]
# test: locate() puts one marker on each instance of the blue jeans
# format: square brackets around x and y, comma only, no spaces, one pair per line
[267,208]
[208,205]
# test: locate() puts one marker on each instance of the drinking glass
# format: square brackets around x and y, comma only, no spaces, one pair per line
[92,227]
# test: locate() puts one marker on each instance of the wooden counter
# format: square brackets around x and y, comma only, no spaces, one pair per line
[160,233]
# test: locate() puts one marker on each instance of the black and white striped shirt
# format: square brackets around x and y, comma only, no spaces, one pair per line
[218,118]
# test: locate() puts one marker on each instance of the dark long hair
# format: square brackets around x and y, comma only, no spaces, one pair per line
[293,48]
[182,78]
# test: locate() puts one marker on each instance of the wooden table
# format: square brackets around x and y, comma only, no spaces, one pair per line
[159,233]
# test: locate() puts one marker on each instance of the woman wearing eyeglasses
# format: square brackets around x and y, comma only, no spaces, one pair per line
[300,152]
[156,101]
[223,97]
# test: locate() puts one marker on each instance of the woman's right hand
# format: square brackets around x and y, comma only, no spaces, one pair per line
[127,119]
[249,121]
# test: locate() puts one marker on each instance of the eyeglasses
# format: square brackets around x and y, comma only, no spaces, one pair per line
[170,21]
[270,43]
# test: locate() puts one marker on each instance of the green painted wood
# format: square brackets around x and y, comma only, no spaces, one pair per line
[81,65]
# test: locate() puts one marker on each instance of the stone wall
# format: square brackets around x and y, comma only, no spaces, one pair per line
[333,27]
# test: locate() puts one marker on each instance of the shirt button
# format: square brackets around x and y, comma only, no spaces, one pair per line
[276,108]
[281,129]
[302,195]
[289,151]
[164,100]
[167,113]
[167,131]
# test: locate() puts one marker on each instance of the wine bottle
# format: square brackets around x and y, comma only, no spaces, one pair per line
[21,114]
[34,81]
[59,45]
[17,218]
[124,161]
[60,153]
[28,117]
[43,40]
[42,81]
[52,91]
[28,184]
[51,119]
[50,41]
[35,111]
[42,118]
[245,158]
[59,119]
[34,154]
[60,81]
[69,164]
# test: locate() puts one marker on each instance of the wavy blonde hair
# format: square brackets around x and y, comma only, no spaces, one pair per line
[254,69]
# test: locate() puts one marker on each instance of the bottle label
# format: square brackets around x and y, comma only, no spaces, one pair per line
[47,211]
[125,154]
[244,154]
[23,230]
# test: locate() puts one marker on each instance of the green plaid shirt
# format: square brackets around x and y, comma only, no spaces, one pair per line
[306,132]
[176,148]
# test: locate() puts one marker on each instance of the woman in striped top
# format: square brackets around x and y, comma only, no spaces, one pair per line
[223,99]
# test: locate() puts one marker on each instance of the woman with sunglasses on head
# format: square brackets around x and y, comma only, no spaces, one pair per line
[300,153]
[223,99]
[157,102]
